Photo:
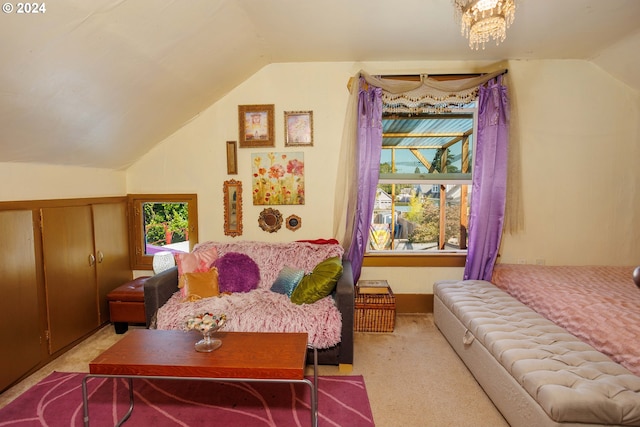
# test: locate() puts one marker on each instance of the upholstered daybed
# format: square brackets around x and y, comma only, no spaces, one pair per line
[535,372]
[257,287]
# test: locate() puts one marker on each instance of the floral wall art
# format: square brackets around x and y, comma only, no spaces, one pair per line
[278,178]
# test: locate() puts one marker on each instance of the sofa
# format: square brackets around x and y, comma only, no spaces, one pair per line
[532,368]
[257,289]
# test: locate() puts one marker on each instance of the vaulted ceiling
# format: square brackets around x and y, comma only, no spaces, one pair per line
[98,83]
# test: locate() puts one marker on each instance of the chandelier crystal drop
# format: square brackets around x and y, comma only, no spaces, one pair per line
[482,20]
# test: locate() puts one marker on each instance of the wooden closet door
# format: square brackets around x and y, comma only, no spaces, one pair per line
[70,274]
[19,316]
[112,251]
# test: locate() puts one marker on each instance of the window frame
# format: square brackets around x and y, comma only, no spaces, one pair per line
[138,259]
[414,259]
[392,258]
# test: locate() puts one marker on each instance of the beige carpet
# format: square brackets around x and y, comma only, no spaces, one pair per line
[413,377]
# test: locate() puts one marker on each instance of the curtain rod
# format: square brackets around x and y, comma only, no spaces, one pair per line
[505,71]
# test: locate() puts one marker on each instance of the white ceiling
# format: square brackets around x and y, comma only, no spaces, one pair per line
[97,83]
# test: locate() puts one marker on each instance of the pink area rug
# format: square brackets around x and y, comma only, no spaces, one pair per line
[56,401]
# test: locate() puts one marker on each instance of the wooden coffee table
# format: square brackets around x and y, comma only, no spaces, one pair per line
[243,357]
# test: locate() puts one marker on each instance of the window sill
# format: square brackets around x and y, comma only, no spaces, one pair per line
[417,260]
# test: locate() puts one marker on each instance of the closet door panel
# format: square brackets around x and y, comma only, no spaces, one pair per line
[112,250]
[19,316]
[70,274]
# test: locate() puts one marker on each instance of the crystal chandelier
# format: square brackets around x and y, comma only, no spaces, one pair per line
[484,19]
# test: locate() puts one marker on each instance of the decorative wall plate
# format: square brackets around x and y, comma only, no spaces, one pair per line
[270,220]
[293,222]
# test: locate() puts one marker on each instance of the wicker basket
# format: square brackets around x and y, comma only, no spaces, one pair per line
[375,312]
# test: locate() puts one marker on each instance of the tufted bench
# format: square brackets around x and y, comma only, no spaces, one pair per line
[535,372]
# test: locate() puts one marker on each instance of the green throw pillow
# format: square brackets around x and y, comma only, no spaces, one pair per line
[319,283]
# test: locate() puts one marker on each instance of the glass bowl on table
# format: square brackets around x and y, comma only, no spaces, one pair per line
[207,324]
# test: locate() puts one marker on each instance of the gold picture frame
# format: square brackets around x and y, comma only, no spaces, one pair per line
[298,128]
[232,158]
[232,190]
[293,222]
[256,126]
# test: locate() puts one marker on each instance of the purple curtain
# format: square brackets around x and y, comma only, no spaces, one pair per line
[368,157]
[489,181]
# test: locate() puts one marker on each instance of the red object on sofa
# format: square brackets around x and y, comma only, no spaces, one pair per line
[321,241]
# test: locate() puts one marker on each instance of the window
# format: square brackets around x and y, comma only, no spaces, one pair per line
[424,188]
[161,222]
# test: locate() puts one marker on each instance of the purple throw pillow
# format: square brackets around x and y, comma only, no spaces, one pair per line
[237,273]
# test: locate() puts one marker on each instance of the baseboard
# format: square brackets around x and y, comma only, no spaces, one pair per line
[414,303]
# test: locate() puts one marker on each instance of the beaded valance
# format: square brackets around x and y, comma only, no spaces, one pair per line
[427,95]
[425,99]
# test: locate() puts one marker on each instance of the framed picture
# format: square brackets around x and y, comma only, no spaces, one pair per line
[278,178]
[232,158]
[298,128]
[255,125]
[232,190]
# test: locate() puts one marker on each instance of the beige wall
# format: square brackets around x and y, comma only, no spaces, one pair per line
[194,158]
[23,181]
[578,130]
[576,125]
[579,138]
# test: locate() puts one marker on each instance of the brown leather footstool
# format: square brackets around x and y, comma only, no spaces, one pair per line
[126,305]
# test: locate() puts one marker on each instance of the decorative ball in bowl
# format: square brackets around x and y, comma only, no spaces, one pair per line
[207,323]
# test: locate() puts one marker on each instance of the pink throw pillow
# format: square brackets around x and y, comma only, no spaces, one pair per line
[194,262]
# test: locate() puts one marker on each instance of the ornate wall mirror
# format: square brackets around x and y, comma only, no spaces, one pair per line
[233,208]
[270,220]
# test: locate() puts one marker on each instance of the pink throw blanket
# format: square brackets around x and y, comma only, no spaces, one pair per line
[598,304]
[261,310]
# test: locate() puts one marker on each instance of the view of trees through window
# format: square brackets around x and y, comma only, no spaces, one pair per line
[423,194]
[161,222]
[166,226]
[425,218]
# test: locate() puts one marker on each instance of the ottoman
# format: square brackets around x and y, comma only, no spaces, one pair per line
[126,305]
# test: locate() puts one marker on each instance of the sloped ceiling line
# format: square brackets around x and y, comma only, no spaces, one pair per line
[99,83]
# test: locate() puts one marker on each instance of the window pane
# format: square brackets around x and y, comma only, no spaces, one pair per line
[432,144]
[166,227]
[424,183]
[161,222]
[420,217]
